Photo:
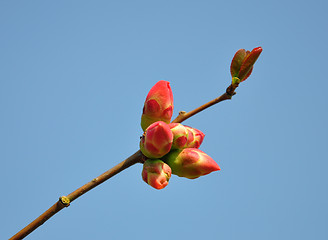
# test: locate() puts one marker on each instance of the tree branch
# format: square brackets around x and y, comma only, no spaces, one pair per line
[137,157]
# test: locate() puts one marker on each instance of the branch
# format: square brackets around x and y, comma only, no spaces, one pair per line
[137,157]
[65,201]
[227,95]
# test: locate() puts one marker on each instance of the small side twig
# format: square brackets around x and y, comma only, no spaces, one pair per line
[137,157]
[227,95]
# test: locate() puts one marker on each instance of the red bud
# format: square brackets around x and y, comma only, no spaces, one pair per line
[243,62]
[195,137]
[156,173]
[248,63]
[190,163]
[180,135]
[156,140]
[158,105]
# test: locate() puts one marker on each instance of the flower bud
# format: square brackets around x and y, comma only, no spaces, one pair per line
[156,173]
[190,163]
[156,140]
[243,62]
[180,135]
[195,137]
[158,105]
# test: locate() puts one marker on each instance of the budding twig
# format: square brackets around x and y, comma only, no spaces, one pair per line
[137,157]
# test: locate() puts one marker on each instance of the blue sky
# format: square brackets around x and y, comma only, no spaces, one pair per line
[74,76]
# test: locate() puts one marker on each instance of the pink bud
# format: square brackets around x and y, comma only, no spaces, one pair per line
[243,62]
[180,135]
[158,105]
[195,137]
[157,140]
[190,163]
[156,173]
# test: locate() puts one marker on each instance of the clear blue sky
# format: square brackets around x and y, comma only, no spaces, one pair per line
[73,79]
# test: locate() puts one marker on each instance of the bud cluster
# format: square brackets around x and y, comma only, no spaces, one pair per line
[170,148]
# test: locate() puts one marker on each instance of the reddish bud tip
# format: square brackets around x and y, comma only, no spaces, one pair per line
[158,105]
[248,63]
[156,173]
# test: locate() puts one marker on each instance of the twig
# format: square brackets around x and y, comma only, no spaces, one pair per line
[227,95]
[137,157]
[65,201]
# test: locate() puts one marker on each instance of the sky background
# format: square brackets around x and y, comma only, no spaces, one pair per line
[73,79]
